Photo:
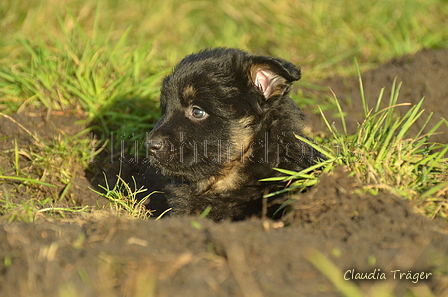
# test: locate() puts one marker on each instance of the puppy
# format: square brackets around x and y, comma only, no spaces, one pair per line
[226,122]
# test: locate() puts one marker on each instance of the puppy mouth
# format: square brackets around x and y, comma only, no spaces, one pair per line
[167,168]
[165,171]
[166,163]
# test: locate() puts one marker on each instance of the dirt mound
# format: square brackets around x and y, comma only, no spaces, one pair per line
[109,256]
[336,210]
[331,225]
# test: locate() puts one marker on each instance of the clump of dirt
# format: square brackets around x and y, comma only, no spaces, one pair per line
[336,210]
[103,254]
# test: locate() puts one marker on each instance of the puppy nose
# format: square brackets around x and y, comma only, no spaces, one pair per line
[154,144]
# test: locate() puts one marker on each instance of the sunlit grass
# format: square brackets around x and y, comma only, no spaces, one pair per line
[323,36]
[123,198]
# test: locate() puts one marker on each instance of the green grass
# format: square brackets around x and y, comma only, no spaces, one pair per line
[123,198]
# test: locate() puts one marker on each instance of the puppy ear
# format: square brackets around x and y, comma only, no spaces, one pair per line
[273,76]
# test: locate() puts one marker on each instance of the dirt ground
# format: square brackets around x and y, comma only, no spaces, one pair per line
[330,227]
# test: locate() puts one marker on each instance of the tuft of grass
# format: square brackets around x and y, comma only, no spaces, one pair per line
[383,157]
[123,199]
[89,70]
[32,209]
[26,180]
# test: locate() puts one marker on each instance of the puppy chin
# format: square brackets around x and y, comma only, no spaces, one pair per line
[186,172]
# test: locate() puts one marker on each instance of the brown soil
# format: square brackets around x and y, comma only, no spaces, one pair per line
[100,254]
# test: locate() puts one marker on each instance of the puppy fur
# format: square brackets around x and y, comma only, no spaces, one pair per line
[226,122]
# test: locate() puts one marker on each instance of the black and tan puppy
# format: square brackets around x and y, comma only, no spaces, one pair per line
[227,121]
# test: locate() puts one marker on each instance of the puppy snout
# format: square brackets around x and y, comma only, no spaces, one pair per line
[154,145]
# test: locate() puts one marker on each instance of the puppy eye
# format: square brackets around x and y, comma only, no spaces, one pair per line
[198,113]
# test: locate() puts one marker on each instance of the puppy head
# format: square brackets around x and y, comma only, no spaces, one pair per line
[212,106]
